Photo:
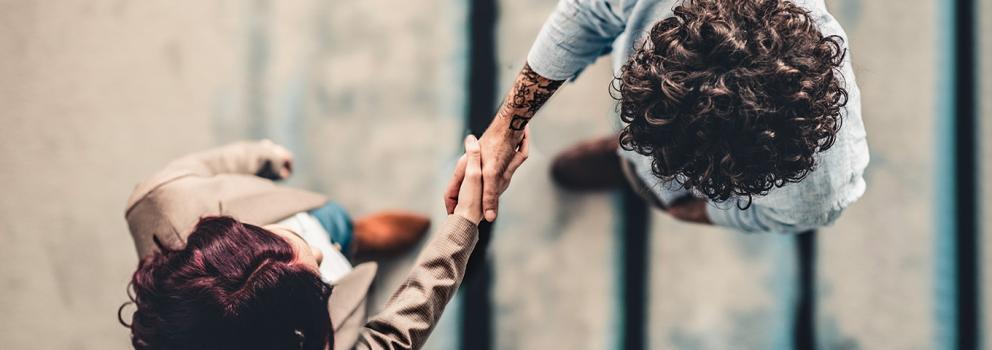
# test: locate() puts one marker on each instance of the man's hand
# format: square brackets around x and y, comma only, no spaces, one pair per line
[691,210]
[504,144]
[497,170]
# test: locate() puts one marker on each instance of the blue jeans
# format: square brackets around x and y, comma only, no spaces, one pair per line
[337,223]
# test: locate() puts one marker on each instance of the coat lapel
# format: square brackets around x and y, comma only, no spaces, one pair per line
[350,293]
[347,305]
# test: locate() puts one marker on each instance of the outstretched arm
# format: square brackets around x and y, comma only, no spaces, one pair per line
[501,143]
[263,158]
[529,93]
[413,311]
[576,33]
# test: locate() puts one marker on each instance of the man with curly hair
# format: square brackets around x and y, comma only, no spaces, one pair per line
[738,113]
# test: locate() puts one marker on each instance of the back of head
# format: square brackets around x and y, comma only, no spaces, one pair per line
[733,97]
[234,286]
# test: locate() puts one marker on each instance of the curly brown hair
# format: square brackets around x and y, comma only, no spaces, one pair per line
[731,98]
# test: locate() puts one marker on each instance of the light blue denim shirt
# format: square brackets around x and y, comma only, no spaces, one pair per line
[579,31]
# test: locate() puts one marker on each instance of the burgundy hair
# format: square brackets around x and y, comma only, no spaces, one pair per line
[234,286]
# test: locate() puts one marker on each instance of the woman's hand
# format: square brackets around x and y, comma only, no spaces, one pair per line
[278,161]
[469,201]
[453,194]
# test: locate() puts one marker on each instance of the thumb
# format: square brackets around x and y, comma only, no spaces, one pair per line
[473,152]
[468,204]
[472,185]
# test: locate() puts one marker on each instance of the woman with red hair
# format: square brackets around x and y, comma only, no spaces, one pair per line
[227,263]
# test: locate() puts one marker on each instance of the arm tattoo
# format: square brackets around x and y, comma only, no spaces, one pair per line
[530,92]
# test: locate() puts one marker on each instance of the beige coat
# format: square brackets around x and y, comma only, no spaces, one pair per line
[163,210]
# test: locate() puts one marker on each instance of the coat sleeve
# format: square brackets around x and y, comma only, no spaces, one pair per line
[412,312]
[245,158]
[147,204]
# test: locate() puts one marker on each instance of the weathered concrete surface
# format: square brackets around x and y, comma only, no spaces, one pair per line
[98,94]
[713,288]
[554,285]
[94,96]
[370,102]
[877,263]
[370,110]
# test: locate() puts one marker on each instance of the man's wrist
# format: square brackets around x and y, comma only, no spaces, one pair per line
[510,125]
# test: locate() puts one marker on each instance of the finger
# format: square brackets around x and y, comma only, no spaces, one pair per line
[451,193]
[473,152]
[472,184]
[490,194]
[523,152]
[470,194]
[491,200]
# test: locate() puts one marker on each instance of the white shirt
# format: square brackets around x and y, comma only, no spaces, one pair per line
[335,265]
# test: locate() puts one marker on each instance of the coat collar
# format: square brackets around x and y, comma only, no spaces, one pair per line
[350,293]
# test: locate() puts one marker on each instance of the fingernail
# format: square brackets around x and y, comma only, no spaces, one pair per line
[490,215]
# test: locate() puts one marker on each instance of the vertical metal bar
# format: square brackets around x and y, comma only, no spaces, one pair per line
[805,322]
[945,204]
[477,325]
[635,249]
[957,297]
[966,185]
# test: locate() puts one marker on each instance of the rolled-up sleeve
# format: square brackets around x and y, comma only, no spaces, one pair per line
[576,33]
[757,218]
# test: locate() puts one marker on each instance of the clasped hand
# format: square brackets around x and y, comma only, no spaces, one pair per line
[483,173]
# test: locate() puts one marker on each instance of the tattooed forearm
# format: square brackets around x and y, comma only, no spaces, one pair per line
[529,93]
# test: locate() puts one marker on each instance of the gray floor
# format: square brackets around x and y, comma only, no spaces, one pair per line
[97,94]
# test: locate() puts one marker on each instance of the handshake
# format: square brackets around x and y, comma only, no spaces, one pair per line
[475,186]
[478,180]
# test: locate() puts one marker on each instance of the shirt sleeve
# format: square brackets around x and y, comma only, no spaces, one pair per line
[576,33]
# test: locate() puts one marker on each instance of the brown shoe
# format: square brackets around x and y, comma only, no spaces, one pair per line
[389,232]
[591,165]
